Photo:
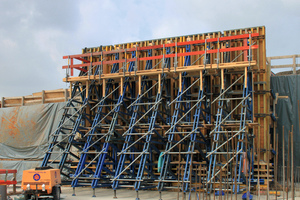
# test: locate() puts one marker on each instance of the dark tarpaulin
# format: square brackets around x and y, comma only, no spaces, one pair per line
[24,134]
[287,113]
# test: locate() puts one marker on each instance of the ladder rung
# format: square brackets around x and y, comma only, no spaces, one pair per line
[172,181]
[218,189]
[97,134]
[178,132]
[134,153]
[238,121]
[225,153]
[183,123]
[124,179]
[93,152]
[181,153]
[149,103]
[125,186]
[188,101]
[107,105]
[139,133]
[237,98]
[101,125]
[228,131]
[91,178]
[229,182]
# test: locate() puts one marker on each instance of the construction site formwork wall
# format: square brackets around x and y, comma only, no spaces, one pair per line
[167,113]
[45,96]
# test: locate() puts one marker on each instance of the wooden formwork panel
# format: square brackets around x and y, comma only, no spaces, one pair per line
[214,44]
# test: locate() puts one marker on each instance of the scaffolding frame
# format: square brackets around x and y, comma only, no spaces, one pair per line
[212,83]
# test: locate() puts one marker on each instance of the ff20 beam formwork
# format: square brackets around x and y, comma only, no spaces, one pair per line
[151,113]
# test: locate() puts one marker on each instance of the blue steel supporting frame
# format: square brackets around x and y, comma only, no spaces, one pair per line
[204,112]
[147,145]
[219,128]
[145,157]
[95,130]
[108,139]
[77,118]
[100,148]
[66,116]
[246,114]
[239,134]
[129,138]
[201,114]
[145,153]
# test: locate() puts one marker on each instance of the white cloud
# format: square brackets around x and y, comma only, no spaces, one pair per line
[34,35]
[8,43]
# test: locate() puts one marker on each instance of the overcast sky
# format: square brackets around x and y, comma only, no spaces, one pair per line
[35,34]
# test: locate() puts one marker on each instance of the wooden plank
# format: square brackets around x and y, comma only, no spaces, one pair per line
[122,83]
[284,57]
[222,79]
[46,96]
[285,66]
[159,83]
[294,64]
[180,81]
[140,85]
[193,68]
[103,87]
[43,96]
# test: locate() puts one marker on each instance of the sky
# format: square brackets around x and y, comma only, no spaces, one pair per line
[36,34]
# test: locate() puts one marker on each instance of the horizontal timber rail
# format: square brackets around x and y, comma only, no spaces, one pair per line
[207,47]
[160,71]
[161,56]
[46,96]
[166,45]
[293,66]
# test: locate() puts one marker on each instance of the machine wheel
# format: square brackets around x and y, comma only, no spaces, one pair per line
[27,196]
[56,192]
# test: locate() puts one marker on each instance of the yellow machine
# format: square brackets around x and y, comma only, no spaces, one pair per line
[41,182]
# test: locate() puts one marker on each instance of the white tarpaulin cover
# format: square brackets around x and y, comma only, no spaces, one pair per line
[24,134]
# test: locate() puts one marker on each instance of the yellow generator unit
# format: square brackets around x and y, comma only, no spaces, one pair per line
[41,182]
